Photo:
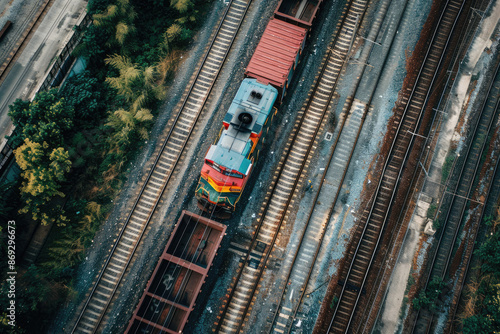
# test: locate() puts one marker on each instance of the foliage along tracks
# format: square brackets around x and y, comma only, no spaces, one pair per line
[466,275]
[375,217]
[453,203]
[108,280]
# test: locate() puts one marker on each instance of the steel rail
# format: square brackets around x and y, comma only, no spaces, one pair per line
[397,178]
[254,239]
[289,199]
[330,211]
[465,36]
[274,187]
[151,171]
[453,200]
[475,170]
[416,176]
[473,241]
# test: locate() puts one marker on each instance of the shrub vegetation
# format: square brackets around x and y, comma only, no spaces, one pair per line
[73,143]
[448,163]
[482,311]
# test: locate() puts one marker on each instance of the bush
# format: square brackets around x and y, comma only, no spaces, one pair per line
[85,94]
[430,297]
[448,163]
[431,212]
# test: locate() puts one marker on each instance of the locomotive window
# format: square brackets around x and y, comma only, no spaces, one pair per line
[214,166]
[239,176]
[223,172]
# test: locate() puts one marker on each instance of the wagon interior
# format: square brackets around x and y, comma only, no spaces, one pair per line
[300,9]
[194,242]
[175,283]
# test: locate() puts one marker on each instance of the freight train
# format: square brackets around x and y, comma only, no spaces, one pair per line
[229,161]
[171,292]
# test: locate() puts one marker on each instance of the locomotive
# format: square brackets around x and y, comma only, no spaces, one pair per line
[229,161]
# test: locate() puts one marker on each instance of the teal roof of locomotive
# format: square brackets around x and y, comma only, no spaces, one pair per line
[228,159]
[235,144]
[261,108]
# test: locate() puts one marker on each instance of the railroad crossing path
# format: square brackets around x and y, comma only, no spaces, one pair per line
[29,69]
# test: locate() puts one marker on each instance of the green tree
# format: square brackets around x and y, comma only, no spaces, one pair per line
[138,86]
[488,319]
[85,94]
[46,119]
[128,125]
[117,20]
[173,32]
[489,253]
[94,45]
[43,172]
[182,6]
[179,32]
[66,253]
[96,6]
[429,297]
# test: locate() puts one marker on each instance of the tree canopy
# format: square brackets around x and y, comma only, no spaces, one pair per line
[87,97]
[484,293]
[43,172]
[46,119]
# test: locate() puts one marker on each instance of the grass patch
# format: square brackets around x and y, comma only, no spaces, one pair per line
[431,211]
[448,163]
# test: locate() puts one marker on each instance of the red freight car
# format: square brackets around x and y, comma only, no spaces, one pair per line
[181,271]
[281,44]
[277,55]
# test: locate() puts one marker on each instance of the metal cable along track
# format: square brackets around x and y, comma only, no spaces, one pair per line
[457,198]
[286,180]
[112,272]
[377,214]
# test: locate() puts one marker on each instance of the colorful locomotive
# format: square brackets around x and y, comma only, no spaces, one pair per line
[229,162]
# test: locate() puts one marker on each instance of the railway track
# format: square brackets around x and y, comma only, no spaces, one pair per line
[288,177]
[489,209]
[302,263]
[377,296]
[454,202]
[17,39]
[90,317]
[375,216]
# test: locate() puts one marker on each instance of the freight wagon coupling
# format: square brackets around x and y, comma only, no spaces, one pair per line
[299,12]
[171,292]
